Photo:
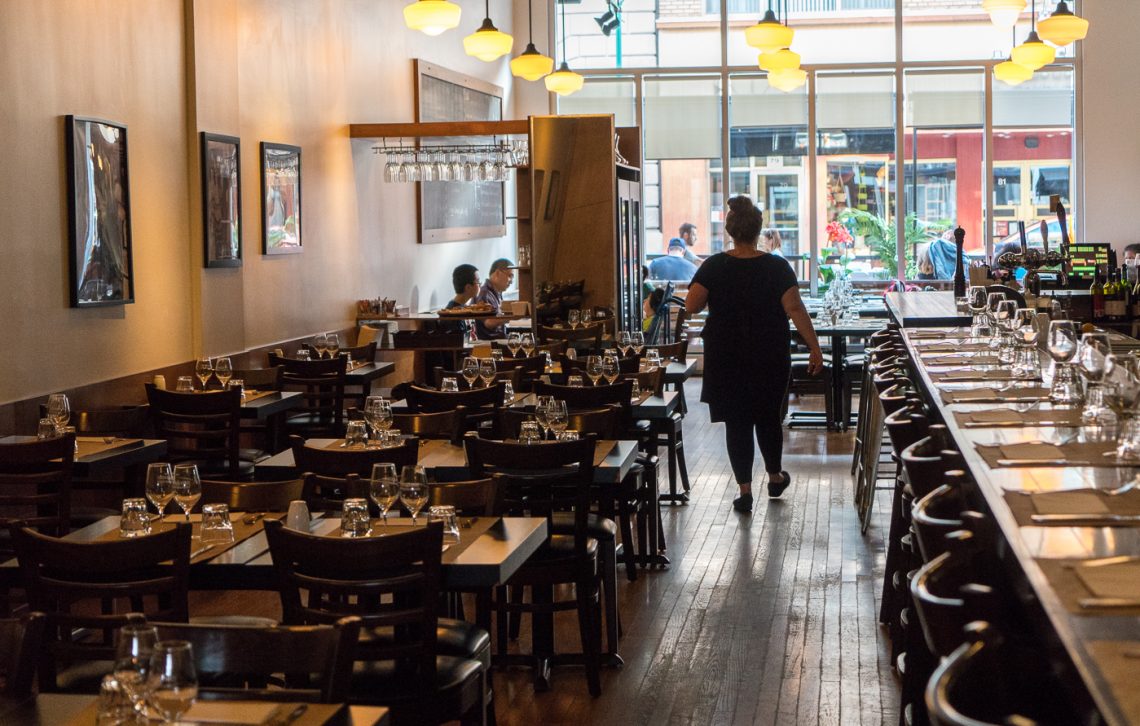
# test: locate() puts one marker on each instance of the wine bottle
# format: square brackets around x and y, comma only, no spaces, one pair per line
[1097,291]
[1114,307]
[1126,290]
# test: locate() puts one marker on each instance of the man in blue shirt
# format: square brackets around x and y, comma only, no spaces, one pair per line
[500,277]
[673,266]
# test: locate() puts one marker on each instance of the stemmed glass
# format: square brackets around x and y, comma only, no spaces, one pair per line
[392,169]
[1062,346]
[573,317]
[992,301]
[514,344]
[159,486]
[470,370]
[203,369]
[378,415]
[487,371]
[623,343]
[594,368]
[976,301]
[172,680]
[456,173]
[1006,316]
[557,417]
[187,487]
[320,345]
[413,489]
[542,409]
[1092,357]
[224,371]
[611,369]
[134,646]
[1122,393]
[384,488]
[59,411]
[528,344]
[332,344]
[1027,334]
[637,340]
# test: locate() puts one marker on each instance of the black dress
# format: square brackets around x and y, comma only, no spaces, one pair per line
[746,336]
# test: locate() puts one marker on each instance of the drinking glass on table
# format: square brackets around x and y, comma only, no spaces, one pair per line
[134,520]
[637,340]
[508,394]
[384,488]
[203,369]
[573,317]
[1006,316]
[355,435]
[413,489]
[172,680]
[134,646]
[378,414]
[332,344]
[187,487]
[224,371]
[185,384]
[354,521]
[514,343]
[528,344]
[575,381]
[487,372]
[216,525]
[1122,394]
[653,357]
[623,343]
[1028,332]
[159,486]
[1092,360]
[449,385]
[594,368]
[976,302]
[320,345]
[611,369]
[557,417]
[58,409]
[46,429]
[470,370]
[496,355]
[303,354]
[994,299]
[528,433]
[542,406]
[1062,345]
[445,515]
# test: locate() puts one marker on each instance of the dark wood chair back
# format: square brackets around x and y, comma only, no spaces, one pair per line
[262,379]
[35,486]
[442,425]
[20,642]
[648,381]
[472,498]
[512,376]
[316,659]
[937,592]
[936,515]
[261,496]
[391,583]
[577,366]
[199,427]
[339,462]
[604,422]
[673,351]
[554,347]
[592,332]
[322,383]
[529,370]
[327,493]
[924,465]
[590,397]
[95,585]
[427,400]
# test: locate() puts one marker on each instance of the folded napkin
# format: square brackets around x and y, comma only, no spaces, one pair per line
[1119,579]
[970,374]
[233,712]
[1069,501]
[989,394]
[1047,454]
[1013,417]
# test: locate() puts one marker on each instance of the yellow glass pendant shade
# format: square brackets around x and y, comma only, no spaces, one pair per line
[531,65]
[564,81]
[769,34]
[779,60]
[1012,73]
[1062,27]
[432,17]
[488,43]
[1004,13]
[1033,54]
[787,80]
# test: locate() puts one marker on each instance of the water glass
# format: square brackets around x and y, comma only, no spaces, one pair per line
[134,646]
[445,513]
[134,521]
[237,384]
[58,409]
[567,435]
[508,394]
[354,520]
[185,384]
[355,435]
[529,433]
[303,354]
[116,706]
[216,525]
[636,390]
[391,438]
[449,385]
[172,679]
[575,381]
[46,429]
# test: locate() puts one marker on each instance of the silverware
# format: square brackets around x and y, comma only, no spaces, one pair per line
[252,517]
[1093,603]
[1123,489]
[1084,518]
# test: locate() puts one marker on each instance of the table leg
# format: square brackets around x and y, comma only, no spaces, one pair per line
[838,374]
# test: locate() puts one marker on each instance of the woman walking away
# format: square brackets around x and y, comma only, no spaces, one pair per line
[751,294]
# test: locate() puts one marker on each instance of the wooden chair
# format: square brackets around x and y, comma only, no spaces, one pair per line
[339,462]
[355,393]
[327,493]
[554,347]
[131,421]
[239,661]
[367,334]
[480,405]
[543,480]
[35,487]
[262,433]
[591,334]
[392,584]
[201,428]
[648,381]
[81,585]
[577,366]
[509,375]
[262,379]
[20,642]
[529,370]
[261,496]
[322,383]
[471,498]
[590,397]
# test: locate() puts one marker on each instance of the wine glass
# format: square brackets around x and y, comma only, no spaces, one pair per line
[1122,394]
[487,371]
[557,417]
[528,344]
[611,369]
[58,410]
[976,301]
[470,370]
[187,487]
[378,415]
[1092,358]
[542,407]
[514,344]
[159,486]
[392,169]
[456,172]
[134,646]
[223,371]
[384,488]
[332,344]
[320,345]
[573,317]
[172,680]
[203,369]
[1006,316]
[594,368]
[1062,346]
[413,489]
[637,340]
[623,343]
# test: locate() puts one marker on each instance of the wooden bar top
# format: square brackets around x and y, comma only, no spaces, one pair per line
[929,309]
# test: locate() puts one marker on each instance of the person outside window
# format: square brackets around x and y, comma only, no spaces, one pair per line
[673,266]
[688,233]
[772,242]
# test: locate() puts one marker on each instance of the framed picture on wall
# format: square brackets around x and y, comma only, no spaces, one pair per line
[280,199]
[221,199]
[99,213]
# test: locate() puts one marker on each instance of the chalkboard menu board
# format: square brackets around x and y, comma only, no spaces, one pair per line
[453,211]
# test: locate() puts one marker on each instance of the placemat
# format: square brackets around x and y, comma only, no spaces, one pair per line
[1071,501]
[1040,453]
[977,359]
[1118,579]
[939,333]
[1119,664]
[989,394]
[1070,589]
[91,445]
[470,529]
[999,417]
[242,531]
[964,375]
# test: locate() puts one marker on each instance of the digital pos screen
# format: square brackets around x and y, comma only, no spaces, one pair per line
[1086,257]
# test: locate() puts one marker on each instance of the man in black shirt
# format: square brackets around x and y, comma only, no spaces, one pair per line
[465,281]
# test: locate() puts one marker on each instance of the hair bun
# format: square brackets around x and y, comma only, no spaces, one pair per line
[741,204]
[743,220]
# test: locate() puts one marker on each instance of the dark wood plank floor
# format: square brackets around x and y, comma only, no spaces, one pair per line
[768,619]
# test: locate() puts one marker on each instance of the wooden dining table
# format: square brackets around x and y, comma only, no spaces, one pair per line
[1094,640]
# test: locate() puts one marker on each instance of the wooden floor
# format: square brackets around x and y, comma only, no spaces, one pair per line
[767,619]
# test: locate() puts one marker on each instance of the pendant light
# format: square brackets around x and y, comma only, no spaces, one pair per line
[769,34]
[1062,27]
[1033,54]
[788,79]
[531,64]
[488,43]
[564,81]
[432,17]
[780,60]
[1004,13]
[1011,73]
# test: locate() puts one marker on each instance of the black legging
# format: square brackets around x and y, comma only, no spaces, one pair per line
[738,438]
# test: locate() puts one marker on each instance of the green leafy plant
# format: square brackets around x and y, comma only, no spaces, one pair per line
[879,236]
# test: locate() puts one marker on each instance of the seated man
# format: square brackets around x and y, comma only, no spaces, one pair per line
[465,281]
[673,266]
[498,280]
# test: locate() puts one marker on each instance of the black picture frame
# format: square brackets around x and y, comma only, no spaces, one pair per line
[100,259]
[281,219]
[220,167]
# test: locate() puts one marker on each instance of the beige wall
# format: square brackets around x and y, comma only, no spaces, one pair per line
[291,71]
